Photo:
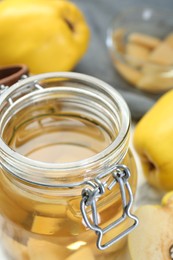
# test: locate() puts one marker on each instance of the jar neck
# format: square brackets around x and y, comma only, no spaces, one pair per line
[86,95]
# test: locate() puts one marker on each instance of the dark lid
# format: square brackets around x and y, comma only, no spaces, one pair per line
[11,74]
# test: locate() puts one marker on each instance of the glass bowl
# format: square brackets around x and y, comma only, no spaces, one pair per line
[140,43]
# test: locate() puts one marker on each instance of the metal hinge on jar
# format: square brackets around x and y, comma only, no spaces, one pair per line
[3,89]
[10,75]
[120,176]
[35,85]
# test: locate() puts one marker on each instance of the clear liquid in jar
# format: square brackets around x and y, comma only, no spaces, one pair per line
[37,227]
[59,139]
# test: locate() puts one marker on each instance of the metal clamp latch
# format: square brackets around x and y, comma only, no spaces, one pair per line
[120,175]
[3,88]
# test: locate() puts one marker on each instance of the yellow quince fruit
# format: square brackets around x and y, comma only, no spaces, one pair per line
[153,238]
[45,35]
[153,141]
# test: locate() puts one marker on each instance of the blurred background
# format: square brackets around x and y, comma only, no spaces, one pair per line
[97,62]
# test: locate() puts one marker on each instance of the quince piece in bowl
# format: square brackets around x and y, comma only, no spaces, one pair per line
[141,50]
[153,238]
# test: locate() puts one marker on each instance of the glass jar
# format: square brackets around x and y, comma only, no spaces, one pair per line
[66,190]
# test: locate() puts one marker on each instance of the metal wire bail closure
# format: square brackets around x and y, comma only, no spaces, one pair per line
[120,176]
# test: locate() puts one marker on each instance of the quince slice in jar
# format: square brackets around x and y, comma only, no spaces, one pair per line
[14,249]
[44,250]
[83,253]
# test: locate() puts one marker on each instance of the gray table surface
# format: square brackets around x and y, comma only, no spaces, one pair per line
[96,62]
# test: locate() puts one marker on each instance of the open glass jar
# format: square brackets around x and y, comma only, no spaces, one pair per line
[66,189]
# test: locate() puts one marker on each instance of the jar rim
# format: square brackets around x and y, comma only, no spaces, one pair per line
[121,136]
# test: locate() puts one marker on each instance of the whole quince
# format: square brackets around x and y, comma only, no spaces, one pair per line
[153,238]
[45,35]
[153,141]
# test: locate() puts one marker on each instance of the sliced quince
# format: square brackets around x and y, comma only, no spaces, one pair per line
[83,253]
[145,40]
[44,250]
[153,239]
[13,248]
